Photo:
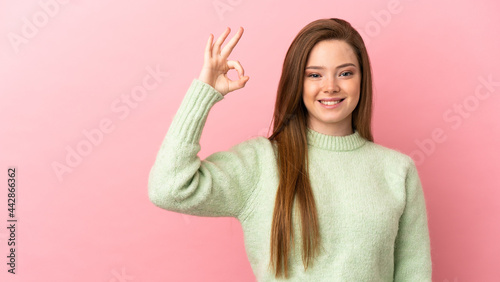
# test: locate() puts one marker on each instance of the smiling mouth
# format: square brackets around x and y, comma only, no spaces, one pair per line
[329,103]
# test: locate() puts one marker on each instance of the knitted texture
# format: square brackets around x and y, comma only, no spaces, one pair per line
[370,201]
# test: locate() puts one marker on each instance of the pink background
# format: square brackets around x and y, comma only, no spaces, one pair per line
[65,68]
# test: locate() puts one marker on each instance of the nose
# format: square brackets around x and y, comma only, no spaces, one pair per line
[331,85]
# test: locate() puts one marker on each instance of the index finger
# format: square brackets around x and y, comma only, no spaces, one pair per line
[208,48]
[230,45]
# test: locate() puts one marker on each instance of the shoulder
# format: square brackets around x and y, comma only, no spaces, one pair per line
[390,157]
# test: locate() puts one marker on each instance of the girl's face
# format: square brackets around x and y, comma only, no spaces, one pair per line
[332,74]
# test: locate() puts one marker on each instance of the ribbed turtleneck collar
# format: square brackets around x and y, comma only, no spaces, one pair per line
[335,143]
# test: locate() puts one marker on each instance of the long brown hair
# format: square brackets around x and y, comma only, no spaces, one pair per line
[290,135]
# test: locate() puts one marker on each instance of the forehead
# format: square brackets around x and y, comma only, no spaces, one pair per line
[332,52]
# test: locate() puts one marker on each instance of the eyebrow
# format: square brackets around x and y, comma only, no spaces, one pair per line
[338,67]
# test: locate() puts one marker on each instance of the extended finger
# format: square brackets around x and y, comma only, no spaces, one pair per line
[219,42]
[230,45]
[208,48]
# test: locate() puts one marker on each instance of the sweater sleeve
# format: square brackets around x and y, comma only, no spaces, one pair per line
[412,253]
[217,186]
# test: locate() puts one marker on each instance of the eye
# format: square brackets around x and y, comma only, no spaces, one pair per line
[346,72]
[313,75]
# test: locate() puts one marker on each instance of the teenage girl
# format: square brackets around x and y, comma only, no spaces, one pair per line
[318,200]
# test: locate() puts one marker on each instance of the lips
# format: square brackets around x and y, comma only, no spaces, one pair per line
[331,99]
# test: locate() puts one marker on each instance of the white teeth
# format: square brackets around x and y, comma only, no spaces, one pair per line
[329,102]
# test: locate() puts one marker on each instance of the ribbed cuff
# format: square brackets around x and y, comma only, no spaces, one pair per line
[187,124]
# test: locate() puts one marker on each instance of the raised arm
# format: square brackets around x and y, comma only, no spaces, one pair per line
[412,253]
[221,184]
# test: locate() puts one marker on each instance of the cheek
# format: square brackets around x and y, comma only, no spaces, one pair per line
[356,99]
[307,93]
[355,96]
[311,88]
[354,90]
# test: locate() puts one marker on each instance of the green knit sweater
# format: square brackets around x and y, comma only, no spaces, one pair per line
[371,206]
